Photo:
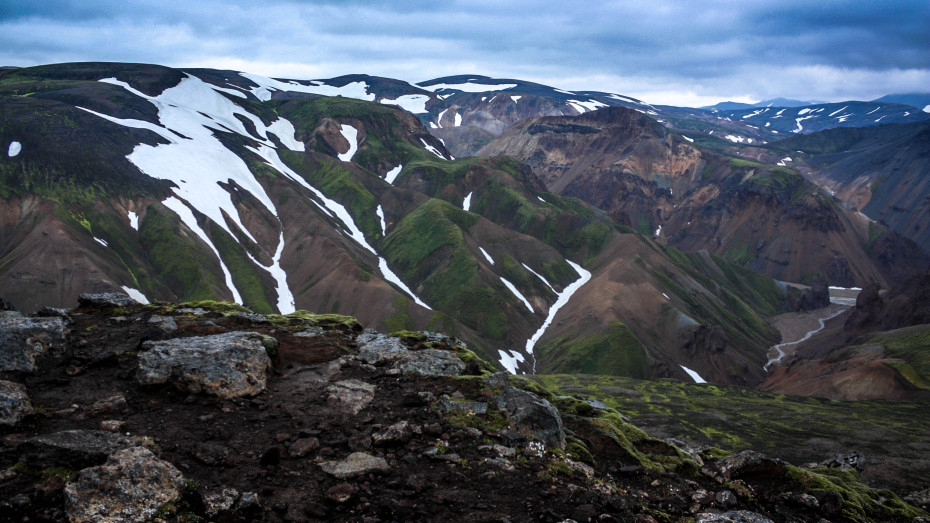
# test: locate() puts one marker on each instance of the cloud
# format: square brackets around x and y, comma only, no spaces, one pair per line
[828,49]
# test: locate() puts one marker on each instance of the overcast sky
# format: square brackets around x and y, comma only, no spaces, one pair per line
[681,52]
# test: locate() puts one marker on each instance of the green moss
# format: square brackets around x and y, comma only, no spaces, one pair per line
[45,473]
[615,350]
[860,502]
[299,320]
[912,346]
[400,320]
[491,421]
[246,276]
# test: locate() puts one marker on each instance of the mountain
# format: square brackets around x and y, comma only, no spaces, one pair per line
[209,411]
[880,170]
[772,102]
[193,185]
[811,118]
[767,218]
[918,100]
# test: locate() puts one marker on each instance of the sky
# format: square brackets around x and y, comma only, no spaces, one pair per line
[676,52]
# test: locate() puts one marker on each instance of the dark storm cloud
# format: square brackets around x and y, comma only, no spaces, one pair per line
[759,49]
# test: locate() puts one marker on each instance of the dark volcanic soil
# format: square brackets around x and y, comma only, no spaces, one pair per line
[441,473]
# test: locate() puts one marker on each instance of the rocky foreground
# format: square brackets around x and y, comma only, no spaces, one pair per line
[116,411]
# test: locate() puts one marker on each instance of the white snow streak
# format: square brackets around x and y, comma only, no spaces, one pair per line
[380,212]
[357,90]
[540,276]
[694,375]
[188,218]
[799,120]
[734,139]
[880,118]
[689,139]
[391,277]
[286,303]
[486,255]
[351,135]
[16,147]
[563,91]
[133,220]
[136,295]
[439,118]
[432,149]
[873,110]
[784,161]
[540,199]
[658,231]
[466,203]
[560,302]
[392,174]
[590,105]
[518,294]
[838,111]
[926,109]
[469,87]
[101,242]
[458,120]
[412,103]
[515,98]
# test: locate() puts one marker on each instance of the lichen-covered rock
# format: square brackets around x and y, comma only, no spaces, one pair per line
[106,299]
[532,416]
[855,460]
[131,486]
[22,339]
[14,403]
[165,323]
[226,365]
[431,362]
[350,395]
[74,449]
[396,434]
[378,349]
[733,516]
[742,463]
[357,463]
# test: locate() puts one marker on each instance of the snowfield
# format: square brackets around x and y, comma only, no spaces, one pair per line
[15,148]
[412,103]
[469,87]
[358,90]
[391,175]
[133,220]
[466,203]
[432,149]
[694,375]
[351,135]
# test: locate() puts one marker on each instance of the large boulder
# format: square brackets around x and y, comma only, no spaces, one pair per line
[350,396]
[14,403]
[431,362]
[73,449]
[744,463]
[357,463]
[22,339]
[227,365]
[106,299]
[532,416]
[131,486]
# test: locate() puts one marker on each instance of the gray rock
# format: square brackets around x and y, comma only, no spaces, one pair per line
[380,349]
[743,462]
[131,486]
[216,502]
[303,446]
[919,498]
[498,380]
[447,404]
[111,299]
[431,362]
[350,396]
[726,498]
[165,323]
[311,332]
[855,460]
[532,416]
[733,516]
[74,449]
[226,365]
[115,403]
[357,463]
[395,434]
[251,317]
[500,450]
[212,454]
[14,403]
[22,339]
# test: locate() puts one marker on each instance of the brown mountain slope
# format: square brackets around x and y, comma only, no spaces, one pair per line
[764,217]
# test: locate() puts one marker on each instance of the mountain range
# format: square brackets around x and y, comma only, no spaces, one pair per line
[605,238]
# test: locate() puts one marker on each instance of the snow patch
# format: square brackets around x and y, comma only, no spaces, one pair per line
[391,277]
[518,294]
[515,98]
[838,111]
[392,174]
[16,147]
[136,295]
[694,375]
[540,199]
[101,242]
[431,149]
[658,231]
[486,255]
[458,120]
[380,212]
[412,103]
[799,120]
[689,139]
[466,203]
[351,135]
[468,87]
[439,118]
[540,276]
[926,109]
[133,220]
[784,161]
[188,218]
[734,139]
[879,107]
[666,296]
[590,105]
[880,118]
[563,91]
[357,90]
[286,303]
[560,302]
[510,359]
